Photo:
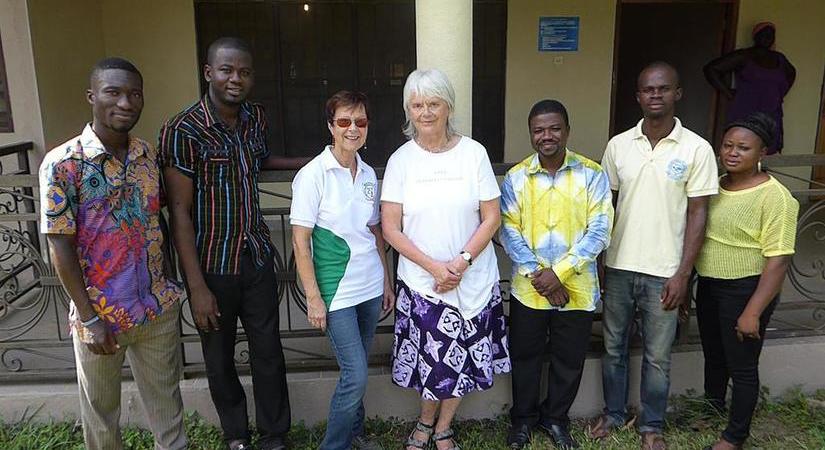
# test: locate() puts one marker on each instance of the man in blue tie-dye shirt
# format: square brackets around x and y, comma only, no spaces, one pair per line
[557,214]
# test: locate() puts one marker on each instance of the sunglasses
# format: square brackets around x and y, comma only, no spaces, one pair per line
[346,122]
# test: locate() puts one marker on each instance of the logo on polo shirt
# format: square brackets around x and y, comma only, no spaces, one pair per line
[369,190]
[677,169]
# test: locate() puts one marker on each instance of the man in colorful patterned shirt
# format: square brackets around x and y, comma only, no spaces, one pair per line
[100,212]
[213,152]
[556,215]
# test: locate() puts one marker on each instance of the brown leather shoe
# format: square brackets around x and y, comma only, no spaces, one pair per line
[653,441]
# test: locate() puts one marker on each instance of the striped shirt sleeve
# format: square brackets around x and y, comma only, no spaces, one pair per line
[177,150]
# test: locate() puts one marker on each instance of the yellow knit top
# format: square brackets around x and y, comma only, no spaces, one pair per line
[746,227]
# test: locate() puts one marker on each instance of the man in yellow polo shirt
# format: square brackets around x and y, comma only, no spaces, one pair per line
[663,175]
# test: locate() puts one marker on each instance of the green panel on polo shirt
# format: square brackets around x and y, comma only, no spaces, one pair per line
[330,254]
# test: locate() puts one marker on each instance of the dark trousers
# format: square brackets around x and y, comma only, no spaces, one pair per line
[569,339]
[719,303]
[250,297]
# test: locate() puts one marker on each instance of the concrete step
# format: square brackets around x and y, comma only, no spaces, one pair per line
[786,363]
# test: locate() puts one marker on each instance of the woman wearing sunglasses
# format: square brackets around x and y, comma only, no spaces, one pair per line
[339,254]
[439,210]
[750,237]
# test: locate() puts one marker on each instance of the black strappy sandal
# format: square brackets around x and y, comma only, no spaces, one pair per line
[418,443]
[445,435]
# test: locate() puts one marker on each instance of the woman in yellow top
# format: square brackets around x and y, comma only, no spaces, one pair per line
[749,241]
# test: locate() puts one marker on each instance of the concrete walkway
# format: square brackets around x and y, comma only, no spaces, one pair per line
[786,364]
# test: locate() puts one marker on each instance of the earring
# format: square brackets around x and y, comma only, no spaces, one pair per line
[759,166]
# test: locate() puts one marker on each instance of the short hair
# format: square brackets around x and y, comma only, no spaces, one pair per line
[428,83]
[346,99]
[113,62]
[659,65]
[760,124]
[547,107]
[232,42]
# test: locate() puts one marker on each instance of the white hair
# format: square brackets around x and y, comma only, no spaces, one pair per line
[428,83]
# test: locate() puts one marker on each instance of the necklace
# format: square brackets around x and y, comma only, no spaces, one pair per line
[342,162]
[441,148]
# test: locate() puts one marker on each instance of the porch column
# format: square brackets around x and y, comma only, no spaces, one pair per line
[444,41]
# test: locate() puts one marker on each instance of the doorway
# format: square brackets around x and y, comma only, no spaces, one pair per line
[686,34]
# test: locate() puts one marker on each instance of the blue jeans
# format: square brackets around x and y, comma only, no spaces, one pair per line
[626,292]
[350,332]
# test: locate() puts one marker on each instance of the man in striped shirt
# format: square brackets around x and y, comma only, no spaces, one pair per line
[213,152]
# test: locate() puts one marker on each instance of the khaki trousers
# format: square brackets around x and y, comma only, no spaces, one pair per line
[155,360]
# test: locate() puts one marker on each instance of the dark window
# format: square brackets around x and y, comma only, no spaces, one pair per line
[489,73]
[6,124]
[304,55]
[306,51]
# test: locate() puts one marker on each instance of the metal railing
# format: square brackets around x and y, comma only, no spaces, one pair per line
[34,333]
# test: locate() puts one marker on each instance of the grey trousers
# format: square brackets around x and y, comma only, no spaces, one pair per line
[155,360]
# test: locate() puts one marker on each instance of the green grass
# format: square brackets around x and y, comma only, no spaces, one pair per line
[795,421]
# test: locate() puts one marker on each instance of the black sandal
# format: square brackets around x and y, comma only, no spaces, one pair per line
[418,443]
[445,435]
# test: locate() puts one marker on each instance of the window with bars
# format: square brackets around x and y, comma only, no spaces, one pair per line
[6,124]
[304,52]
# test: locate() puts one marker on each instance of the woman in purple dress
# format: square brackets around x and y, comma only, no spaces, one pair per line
[439,210]
[762,77]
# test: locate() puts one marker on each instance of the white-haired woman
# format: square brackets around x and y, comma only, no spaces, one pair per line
[440,209]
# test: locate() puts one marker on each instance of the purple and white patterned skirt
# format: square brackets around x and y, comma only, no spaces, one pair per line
[439,353]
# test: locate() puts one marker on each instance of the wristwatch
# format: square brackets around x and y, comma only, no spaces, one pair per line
[466,256]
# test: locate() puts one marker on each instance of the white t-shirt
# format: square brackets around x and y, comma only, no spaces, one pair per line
[440,195]
[338,210]
[654,186]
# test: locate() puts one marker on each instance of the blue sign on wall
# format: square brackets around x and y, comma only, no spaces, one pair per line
[558,34]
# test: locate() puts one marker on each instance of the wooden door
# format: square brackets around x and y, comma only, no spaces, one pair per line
[684,34]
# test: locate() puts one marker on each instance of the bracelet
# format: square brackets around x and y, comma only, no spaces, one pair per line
[91,321]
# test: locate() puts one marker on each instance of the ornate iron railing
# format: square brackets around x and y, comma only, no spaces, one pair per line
[34,338]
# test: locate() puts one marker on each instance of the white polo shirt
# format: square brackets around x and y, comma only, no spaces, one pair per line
[338,210]
[654,186]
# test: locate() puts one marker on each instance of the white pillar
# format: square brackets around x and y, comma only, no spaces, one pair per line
[444,41]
